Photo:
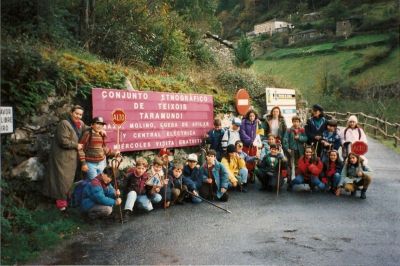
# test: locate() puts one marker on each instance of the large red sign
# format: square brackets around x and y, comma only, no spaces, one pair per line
[242,101]
[154,120]
[359,147]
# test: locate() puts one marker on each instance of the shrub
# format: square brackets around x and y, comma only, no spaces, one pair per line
[243,53]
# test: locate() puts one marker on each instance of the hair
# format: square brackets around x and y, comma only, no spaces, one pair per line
[309,147]
[338,160]
[238,142]
[178,166]
[280,112]
[296,118]
[141,162]
[73,108]
[270,135]
[247,115]
[158,161]
[212,152]
[217,122]
[108,171]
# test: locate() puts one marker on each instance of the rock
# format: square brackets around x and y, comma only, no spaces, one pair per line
[44,120]
[127,162]
[44,108]
[20,135]
[31,167]
[128,85]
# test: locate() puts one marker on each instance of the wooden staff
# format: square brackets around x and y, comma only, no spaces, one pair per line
[115,165]
[166,186]
[279,177]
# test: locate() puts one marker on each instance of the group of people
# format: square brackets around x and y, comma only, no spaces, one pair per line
[251,147]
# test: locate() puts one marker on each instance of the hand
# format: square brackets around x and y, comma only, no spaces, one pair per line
[296,137]
[209,180]
[80,147]
[289,150]
[223,190]
[157,189]
[317,137]
[195,192]
[118,154]
[103,133]
[359,173]
[118,201]
[166,181]
[234,184]
[118,193]
[206,136]
[84,168]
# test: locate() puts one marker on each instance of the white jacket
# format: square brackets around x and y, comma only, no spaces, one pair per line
[352,135]
[230,137]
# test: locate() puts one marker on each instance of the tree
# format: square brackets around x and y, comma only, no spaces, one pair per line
[243,53]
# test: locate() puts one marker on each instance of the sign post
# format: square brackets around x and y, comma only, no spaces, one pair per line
[6,120]
[118,118]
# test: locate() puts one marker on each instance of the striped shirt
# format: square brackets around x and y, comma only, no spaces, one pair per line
[94,148]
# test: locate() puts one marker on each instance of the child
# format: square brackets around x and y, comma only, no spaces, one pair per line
[268,168]
[242,154]
[232,134]
[135,189]
[351,134]
[94,151]
[332,171]
[330,139]
[266,150]
[157,181]
[191,177]
[355,174]
[215,178]
[167,158]
[308,170]
[99,196]
[236,166]
[295,140]
[179,185]
[214,138]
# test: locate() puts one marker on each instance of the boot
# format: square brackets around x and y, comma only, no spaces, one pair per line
[125,216]
[243,188]
[363,192]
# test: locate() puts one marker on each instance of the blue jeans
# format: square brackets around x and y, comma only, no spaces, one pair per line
[143,201]
[314,181]
[242,177]
[95,168]
[335,179]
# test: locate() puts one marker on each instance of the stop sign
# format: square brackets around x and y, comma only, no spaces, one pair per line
[359,147]
[242,101]
[118,117]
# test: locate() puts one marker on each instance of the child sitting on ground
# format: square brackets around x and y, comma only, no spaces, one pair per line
[332,171]
[268,169]
[156,181]
[135,189]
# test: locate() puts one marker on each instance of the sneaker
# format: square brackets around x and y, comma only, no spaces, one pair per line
[243,188]
[125,216]
[363,194]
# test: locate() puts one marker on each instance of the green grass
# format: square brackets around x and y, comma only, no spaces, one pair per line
[302,51]
[364,40]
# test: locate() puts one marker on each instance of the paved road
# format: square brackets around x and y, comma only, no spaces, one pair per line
[295,228]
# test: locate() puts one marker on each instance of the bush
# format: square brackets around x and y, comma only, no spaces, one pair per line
[243,53]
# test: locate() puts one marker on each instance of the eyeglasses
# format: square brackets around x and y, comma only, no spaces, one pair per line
[240,146]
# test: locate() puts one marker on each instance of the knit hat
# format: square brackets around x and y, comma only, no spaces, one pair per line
[236,121]
[231,148]
[163,152]
[192,157]
[353,118]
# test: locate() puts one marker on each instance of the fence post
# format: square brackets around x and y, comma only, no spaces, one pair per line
[386,128]
[365,123]
[376,127]
[395,140]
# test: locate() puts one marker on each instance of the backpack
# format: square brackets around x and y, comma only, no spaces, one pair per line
[77,192]
[359,133]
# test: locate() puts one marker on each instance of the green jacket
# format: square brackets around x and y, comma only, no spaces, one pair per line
[297,145]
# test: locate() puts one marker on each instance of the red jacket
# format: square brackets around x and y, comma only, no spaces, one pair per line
[307,169]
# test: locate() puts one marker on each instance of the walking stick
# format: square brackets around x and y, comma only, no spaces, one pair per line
[209,202]
[279,178]
[115,165]
[165,189]
[293,166]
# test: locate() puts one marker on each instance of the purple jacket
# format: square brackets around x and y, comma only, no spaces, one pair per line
[248,132]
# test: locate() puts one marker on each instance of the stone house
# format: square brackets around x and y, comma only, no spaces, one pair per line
[272,26]
[345,27]
[304,36]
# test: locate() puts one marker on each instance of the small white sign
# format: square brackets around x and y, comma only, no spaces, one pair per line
[6,120]
[285,99]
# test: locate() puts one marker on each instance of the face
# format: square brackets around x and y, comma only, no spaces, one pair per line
[296,123]
[157,168]
[77,114]
[177,172]
[274,151]
[353,159]
[192,164]
[140,170]
[235,127]
[333,156]
[106,179]
[165,159]
[252,117]
[352,124]
[308,153]
[331,128]
[271,140]
[316,113]
[239,147]
[232,154]
[97,127]
[210,159]
[275,113]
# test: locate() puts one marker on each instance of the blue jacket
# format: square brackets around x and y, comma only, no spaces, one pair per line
[97,192]
[215,139]
[333,139]
[313,128]
[220,175]
[192,178]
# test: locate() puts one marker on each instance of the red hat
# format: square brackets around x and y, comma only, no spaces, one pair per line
[164,151]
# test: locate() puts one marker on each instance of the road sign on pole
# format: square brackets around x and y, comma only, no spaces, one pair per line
[118,118]
[359,147]
[242,101]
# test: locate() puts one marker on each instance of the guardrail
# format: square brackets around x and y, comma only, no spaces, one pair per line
[376,125]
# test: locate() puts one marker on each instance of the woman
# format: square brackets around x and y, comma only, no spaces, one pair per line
[275,124]
[248,135]
[315,126]
[63,159]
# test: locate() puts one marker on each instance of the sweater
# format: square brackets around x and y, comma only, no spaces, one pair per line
[94,148]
